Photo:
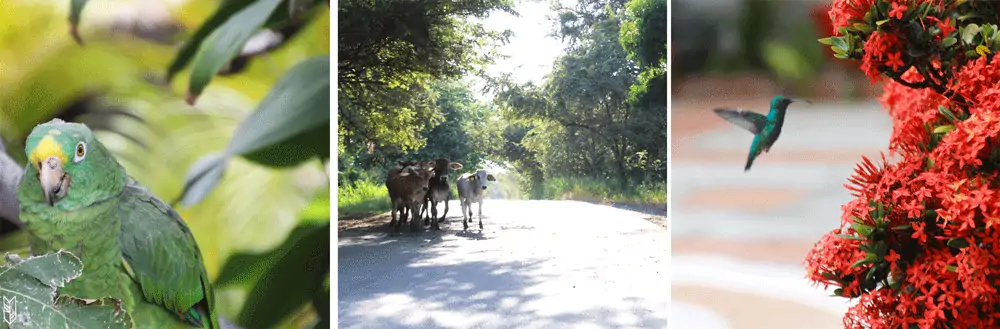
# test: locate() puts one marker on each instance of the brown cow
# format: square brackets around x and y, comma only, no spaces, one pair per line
[407,187]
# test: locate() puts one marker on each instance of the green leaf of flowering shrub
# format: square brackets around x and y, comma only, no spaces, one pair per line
[851,237]
[944,129]
[969,33]
[948,114]
[958,243]
[902,227]
[948,42]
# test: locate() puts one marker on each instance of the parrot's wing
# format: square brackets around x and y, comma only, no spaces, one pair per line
[746,119]
[161,255]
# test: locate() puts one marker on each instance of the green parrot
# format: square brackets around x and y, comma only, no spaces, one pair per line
[75,196]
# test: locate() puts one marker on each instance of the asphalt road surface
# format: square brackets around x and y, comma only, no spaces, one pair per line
[536,264]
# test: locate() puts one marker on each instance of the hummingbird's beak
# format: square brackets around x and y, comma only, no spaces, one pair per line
[53,179]
[799,100]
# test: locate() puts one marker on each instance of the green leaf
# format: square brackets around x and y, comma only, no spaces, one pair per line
[30,286]
[75,9]
[225,42]
[948,42]
[958,243]
[189,48]
[840,45]
[951,268]
[865,261]
[202,178]
[944,129]
[864,28]
[851,237]
[246,268]
[301,269]
[948,114]
[321,303]
[902,227]
[828,40]
[862,229]
[291,125]
[883,7]
[986,31]
[969,33]
[867,248]
[879,23]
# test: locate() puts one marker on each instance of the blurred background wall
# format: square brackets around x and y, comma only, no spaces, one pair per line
[739,238]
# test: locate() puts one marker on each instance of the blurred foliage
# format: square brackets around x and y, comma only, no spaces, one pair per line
[748,35]
[116,82]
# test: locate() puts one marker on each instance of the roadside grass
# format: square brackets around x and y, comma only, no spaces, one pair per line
[367,198]
[654,195]
[364,199]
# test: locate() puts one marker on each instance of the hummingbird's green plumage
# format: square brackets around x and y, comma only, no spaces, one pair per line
[766,129]
[75,196]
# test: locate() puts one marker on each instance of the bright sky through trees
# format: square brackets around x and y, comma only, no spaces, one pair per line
[532,51]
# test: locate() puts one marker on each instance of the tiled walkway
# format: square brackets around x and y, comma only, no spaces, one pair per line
[739,239]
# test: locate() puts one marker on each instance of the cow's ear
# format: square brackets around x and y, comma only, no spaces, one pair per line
[410,171]
[455,165]
[490,177]
[472,178]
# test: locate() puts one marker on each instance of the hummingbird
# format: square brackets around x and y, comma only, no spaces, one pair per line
[765,128]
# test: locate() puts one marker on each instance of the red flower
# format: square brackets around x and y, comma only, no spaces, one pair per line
[945,26]
[939,205]
[897,10]
[894,61]
[843,13]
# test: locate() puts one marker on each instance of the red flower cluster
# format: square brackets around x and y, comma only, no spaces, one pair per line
[920,244]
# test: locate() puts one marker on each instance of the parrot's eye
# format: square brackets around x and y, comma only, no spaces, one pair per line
[81,151]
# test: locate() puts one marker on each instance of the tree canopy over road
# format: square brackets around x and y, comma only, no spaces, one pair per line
[593,129]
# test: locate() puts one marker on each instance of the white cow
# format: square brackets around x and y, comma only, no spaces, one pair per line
[471,188]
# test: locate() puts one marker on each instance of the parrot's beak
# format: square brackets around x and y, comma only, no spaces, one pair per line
[799,100]
[53,178]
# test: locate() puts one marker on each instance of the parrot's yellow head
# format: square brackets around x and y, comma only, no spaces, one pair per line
[65,161]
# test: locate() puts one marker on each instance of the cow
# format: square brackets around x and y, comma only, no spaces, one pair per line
[407,187]
[471,188]
[405,210]
[439,191]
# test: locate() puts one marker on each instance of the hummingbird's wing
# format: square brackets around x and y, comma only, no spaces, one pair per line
[746,119]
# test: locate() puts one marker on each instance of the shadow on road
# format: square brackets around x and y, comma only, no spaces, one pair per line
[507,294]
[536,264]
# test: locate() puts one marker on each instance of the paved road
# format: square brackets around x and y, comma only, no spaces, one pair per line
[739,238]
[537,264]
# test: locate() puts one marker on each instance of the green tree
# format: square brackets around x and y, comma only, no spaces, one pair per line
[468,133]
[585,104]
[389,53]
